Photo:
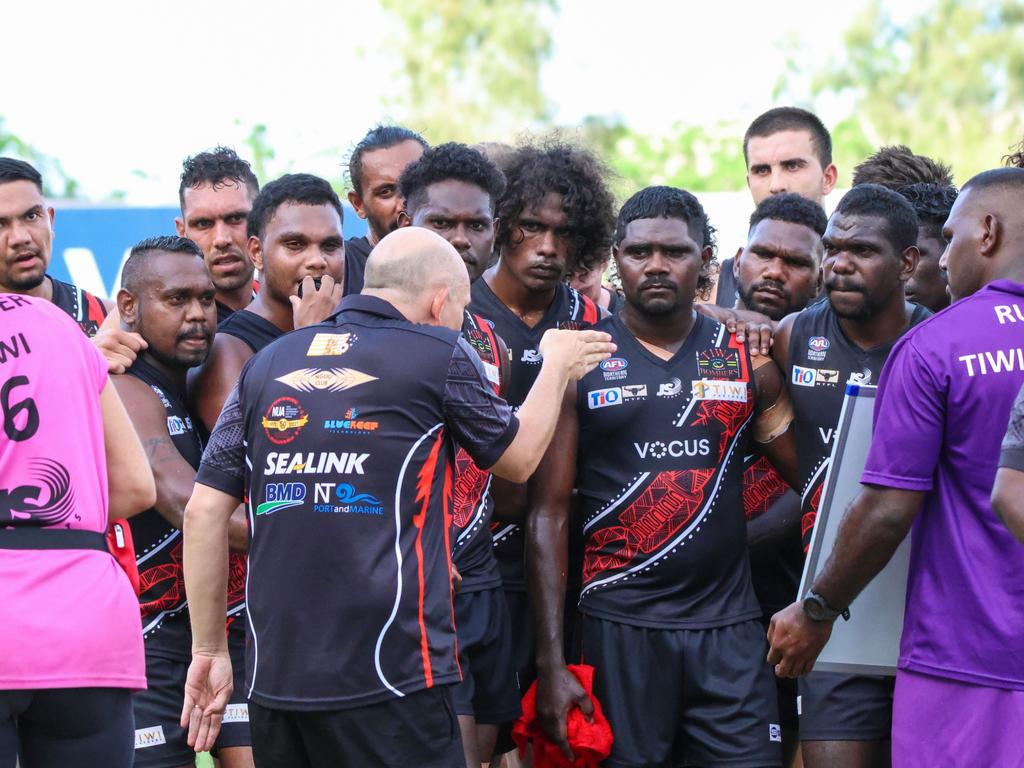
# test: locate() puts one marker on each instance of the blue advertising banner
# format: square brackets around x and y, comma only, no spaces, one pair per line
[91,244]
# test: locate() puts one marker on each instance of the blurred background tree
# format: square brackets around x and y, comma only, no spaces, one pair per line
[56,182]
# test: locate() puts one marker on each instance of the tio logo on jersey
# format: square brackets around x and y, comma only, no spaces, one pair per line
[602,398]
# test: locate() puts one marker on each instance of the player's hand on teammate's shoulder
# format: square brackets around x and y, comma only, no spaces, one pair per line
[577,352]
[119,348]
[752,328]
[796,641]
[317,300]
[558,691]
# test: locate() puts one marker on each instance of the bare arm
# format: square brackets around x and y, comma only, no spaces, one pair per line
[568,355]
[547,537]
[211,384]
[1008,500]
[772,429]
[129,480]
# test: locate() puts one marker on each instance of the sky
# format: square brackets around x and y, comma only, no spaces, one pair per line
[121,92]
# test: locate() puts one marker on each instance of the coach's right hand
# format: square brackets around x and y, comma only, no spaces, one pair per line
[558,691]
[576,352]
[207,692]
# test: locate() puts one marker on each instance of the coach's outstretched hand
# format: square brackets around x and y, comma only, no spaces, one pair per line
[207,691]
[796,641]
[575,352]
[558,691]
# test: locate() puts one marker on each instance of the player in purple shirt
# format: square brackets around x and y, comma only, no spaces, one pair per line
[939,419]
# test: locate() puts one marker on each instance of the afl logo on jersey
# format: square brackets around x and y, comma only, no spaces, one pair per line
[817,346]
[614,368]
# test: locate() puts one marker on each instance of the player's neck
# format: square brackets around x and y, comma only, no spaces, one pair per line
[883,327]
[236,299]
[529,305]
[272,311]
[667,332]
[174,374]
[42,291]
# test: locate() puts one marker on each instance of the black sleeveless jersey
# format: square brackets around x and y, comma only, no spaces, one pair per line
[84,308]
[659,478]
[821,362]
[570,309]
[158,554]
[472,547]
[254,330]
[357,251]
[728,290]
[223,313]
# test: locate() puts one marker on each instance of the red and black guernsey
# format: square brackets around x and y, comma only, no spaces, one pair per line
[822,360]
[570,309]
[659,479]
[472,548]
[158,553]
[342,436]
[84,308]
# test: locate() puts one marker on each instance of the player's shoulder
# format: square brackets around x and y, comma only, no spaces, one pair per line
[24,311]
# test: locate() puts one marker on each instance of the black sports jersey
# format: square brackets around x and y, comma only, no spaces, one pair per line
[349,595]
[821,362]
[223,312]
[472,548]
[158,553]
[84,308]
[570,309]
[615,302]
[254,330]
[728,290]
[659,480]
[357,251]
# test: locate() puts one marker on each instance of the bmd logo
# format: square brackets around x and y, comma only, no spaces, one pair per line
[602,398]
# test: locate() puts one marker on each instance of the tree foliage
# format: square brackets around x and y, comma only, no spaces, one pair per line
[55,180]
[470,69]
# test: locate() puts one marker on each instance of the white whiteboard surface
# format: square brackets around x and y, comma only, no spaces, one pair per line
[869,642]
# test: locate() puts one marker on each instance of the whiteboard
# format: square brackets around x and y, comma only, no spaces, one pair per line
[869,642]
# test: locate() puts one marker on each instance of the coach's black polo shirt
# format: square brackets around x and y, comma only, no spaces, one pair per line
[342,435]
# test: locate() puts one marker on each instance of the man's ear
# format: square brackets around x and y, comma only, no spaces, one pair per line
[736,263]
[127,307]
[991,235]
[357,203]
[908,262]
[705,256]
[179,225]
[437,305]
[404,220]
[829,179]
[255,249]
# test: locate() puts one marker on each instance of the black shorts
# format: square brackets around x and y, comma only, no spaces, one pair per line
[524,637]
[420,729]
[842,707]
[488,690]
[234,729]
[159,738]
[681,697]
[786,691]
[60,727]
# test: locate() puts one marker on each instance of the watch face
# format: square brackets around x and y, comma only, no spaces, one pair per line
[815,610]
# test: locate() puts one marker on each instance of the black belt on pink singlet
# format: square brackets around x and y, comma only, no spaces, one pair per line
[51,538]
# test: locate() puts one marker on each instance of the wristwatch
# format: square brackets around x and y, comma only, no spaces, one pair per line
[818,609]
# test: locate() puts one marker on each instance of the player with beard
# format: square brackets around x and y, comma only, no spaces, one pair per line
[216,194]
[654,443]
[556,214]
[296,241]
[778,272]
[374,167]
[452,190]
[166,297]
[932,204]
[869,255]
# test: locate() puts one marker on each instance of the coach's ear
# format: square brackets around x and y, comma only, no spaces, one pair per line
[127,307]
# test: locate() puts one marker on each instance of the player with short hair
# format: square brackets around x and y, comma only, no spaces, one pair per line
[452,190]
[374,167]
[354,643]
[654,443]
[932,203]
[216,194]
[940,413]
[869,254]
[897,166]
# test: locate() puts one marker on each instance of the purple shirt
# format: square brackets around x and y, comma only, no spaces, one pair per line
[940,416]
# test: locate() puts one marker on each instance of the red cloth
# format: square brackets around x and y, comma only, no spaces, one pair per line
[122,547]
[591,742]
